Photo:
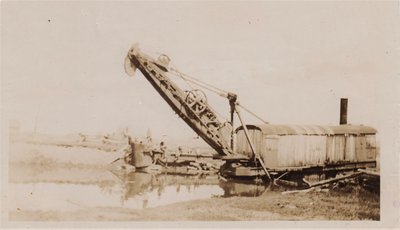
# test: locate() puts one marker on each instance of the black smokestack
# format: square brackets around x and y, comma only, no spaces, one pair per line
[343,111]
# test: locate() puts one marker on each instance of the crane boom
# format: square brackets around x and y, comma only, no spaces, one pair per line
[190,105]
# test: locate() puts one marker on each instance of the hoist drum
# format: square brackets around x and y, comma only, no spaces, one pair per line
[197,100]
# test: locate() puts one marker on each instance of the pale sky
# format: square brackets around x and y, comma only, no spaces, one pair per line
[290,63]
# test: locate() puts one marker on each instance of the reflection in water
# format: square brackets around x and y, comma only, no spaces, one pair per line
[129,190]
[137,184]
[161,189]
[243,188]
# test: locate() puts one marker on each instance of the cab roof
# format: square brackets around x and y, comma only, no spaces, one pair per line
[269,129]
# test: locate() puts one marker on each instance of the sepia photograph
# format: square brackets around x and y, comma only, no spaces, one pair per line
[188,114]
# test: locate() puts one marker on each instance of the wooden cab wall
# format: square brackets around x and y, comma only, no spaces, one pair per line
[299,146]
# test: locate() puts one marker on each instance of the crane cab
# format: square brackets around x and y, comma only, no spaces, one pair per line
[307,148]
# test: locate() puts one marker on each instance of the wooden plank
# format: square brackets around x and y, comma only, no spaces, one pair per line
[298,191]
[369,172]
[335,179]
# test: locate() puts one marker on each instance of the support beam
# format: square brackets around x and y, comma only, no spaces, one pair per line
[246,132]
[232,103]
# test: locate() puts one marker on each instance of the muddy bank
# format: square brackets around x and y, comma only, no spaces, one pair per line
[53,183]
[357,205]
[34,163]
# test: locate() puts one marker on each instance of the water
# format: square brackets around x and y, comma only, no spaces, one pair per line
[120,189]
[69,197]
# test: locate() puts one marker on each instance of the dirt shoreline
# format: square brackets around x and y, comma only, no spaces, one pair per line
[35,163]
[356,204]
